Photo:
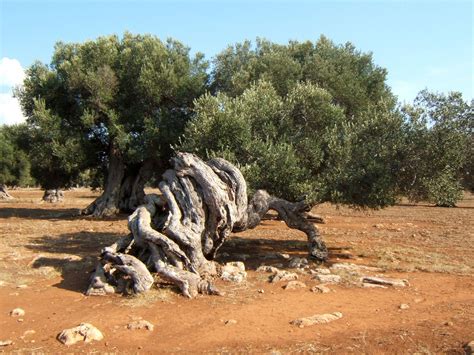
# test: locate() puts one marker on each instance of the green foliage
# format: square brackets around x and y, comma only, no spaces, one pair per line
[131,96]
[302,119]
[437,155]
[14,162]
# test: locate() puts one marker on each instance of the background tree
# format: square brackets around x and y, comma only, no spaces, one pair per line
[318,121]
[15,167]
[437,160]
[125,100]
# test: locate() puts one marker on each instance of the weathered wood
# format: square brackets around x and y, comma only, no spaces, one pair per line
[4,195]
[177,234]
[53,195]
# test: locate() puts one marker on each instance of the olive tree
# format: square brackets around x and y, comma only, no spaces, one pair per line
[123,101]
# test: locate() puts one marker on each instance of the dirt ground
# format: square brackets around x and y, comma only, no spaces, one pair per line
[47,252]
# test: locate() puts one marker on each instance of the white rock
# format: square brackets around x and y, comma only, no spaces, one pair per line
[321,271]
[267,268]
[404,306]
[283,275]
[369,285]
[234,272]
[385,281]
[5,342]
[354,267]
[83,332]
[317,319]
[17,312]
[296,263]
[230,322]
[329,279]
[320,289]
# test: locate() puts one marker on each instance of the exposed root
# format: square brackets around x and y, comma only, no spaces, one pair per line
[176,235]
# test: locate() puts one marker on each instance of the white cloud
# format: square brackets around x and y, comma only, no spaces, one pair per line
[10,111]
[11,72]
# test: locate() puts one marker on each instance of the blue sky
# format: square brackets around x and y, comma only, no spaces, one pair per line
[423,44]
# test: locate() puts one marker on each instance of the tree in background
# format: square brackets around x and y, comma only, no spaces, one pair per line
[302,119]
[115,104]
[15,167]
[438,150]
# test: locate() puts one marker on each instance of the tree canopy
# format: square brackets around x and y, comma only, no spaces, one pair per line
[121,101]
[303,119]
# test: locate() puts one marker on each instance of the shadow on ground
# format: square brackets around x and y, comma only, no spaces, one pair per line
[83,250]
[52,214]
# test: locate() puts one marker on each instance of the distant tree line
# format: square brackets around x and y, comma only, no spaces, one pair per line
[312,120]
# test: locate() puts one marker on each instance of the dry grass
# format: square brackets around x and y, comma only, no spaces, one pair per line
[408,259]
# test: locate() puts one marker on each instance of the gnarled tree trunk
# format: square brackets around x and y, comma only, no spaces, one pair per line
[124,187]
[53,195]
[4,195]
[176,235]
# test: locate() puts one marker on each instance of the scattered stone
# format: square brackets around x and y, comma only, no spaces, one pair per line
[320,289]
[448,323]
[297,263]
[320,270]
[316,319]
[404,306]
[354,267]
[283,275]
[368,285]
[261,291]
[378,225]
[469,348]
[284,256]
[385,281]
[141,324]
[266,268]
[23,286]
[230,322]
[83,332]
[17,312]
[5,342]
[329,279]
[234,272]
[294,285]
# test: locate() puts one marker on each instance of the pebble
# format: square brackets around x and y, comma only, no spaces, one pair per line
[17,312]
[320,289]
[234,272]
[404,306]
[317,319]
[5,342]
[385,281]
[330,279]
[230,322]
[282,275]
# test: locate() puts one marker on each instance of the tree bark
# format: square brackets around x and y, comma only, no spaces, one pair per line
[124,187]
[176,235]
[53,195]
[4,195]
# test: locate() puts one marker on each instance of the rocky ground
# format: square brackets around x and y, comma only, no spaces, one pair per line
[399,280]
